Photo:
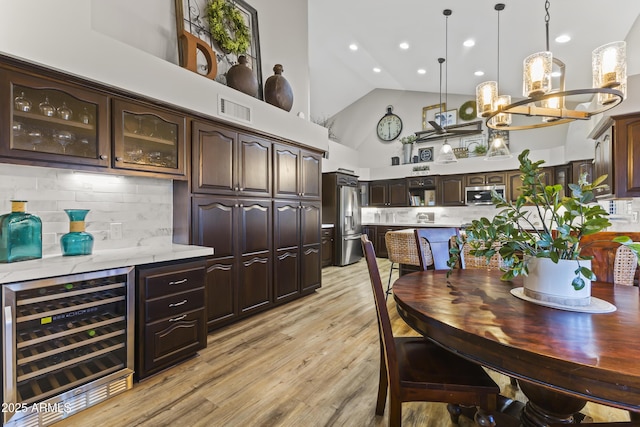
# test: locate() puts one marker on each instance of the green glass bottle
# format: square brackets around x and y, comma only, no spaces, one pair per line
[20,234]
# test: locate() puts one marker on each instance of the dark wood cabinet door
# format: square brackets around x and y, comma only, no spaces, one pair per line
[378,193]
[582,167]
[327,247]
[475,179]
[254,226]
[254,284]
[370,231]
[286,224]
[310,175]
[215,224]
[514,182]
[213,153]
[562,176]
[381,244]
[603,165]
[398,195]
[626,142]
[311,268]
[286,171]
[310,223]
[451,190]
[286,275]
[254,166]
[221,296]
[495,178]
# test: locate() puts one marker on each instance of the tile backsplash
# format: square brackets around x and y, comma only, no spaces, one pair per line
[141,207]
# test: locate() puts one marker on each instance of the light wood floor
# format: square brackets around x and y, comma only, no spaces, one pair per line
[312,362]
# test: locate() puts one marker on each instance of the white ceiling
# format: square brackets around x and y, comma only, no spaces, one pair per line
[340,76]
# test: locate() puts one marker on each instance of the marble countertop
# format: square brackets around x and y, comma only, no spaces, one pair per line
[57,265]
[413,225]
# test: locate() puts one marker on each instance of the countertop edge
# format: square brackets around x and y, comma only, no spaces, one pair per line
[412,225]
[57,265]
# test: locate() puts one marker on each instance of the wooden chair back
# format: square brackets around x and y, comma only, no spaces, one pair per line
[603,249]
[387,344]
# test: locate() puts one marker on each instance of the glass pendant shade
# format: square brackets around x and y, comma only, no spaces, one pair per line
[609,63]
[446,155]
[537,74]
[498,150]
[502,119]
[555,103]
[486,96]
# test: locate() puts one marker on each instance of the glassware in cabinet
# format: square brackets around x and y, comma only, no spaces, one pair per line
[51,121]
[148,138]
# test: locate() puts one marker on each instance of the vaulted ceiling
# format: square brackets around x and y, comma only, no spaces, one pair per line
[340,76]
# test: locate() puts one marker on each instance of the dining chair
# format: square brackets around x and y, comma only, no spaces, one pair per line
[624,266]
[414,369]
[474,262]
[401,249]
[439,242]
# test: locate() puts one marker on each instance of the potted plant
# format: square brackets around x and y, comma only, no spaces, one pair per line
[407,146]
[542,228]
[480,150]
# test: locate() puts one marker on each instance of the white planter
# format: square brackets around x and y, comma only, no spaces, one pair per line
[551,283]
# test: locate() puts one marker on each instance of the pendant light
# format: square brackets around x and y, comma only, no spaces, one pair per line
[498,149]
[544,105]
[445,154]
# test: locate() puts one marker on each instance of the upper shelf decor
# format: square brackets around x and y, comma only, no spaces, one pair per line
[544,105]
[213,34]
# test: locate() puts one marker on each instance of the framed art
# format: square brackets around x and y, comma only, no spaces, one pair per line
[447,118]
[425,154]
[475,144]
[191,17]
[493,133]
[429,113]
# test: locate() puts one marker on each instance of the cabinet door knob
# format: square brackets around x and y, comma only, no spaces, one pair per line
[118,159]
[103,157]
[236,205]
[236,188]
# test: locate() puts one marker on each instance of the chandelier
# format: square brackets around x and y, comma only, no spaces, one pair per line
[544,105]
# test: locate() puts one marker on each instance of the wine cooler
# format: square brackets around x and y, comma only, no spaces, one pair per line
[67,344]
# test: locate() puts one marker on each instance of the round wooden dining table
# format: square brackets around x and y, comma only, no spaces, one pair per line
[561,358]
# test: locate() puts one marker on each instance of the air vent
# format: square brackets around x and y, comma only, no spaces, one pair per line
[234,110]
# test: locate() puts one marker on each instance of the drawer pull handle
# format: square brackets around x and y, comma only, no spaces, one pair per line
[175,319]
[178,304]
[178,282]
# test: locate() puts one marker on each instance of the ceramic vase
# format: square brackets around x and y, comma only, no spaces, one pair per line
[277,90]
[76,241]
[551,282]
[241,77]
[20,234]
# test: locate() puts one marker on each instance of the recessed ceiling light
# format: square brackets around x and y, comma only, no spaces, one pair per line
[404,45]
[353,46]
[479,73]
[563,38]
[376,70]
[469,43]
[422,71]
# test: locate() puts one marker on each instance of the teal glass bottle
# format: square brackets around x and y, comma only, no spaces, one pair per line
[76,241]
[20,234]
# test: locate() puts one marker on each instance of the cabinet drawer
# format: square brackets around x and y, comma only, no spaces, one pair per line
[327,232]
[175,304]
[174,281]
[171,340]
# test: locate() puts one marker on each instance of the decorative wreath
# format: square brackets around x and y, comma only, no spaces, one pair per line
[467,111]
[227,27]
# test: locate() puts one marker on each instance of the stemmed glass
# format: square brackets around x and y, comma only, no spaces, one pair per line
[63,138]
[139,131]
[35,137]
[154,133]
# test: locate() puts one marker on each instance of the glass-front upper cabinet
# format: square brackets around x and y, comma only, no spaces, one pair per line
[148,139]
[53,122]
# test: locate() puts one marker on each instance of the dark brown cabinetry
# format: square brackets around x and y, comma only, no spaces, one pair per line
[364,193]
[451,190]
[489,178]
[228,162]
[239,273]
[422,190]
[171,319]
[296,172]
[392,192]
[514,182]
[297,247]
[327,246]
[562,175]
[148,139]
[53,122]
[580,167]
[617,154]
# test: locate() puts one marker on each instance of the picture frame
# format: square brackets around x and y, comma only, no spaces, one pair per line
[425,154]
[191,17]
[471,142]
[496,132]
[447,118]
[429,112]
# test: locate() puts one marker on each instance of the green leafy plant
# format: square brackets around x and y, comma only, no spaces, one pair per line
[516,233]
[480,150]
[228,27]
[408,139]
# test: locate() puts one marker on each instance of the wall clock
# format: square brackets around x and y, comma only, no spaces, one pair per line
[426,154]
[389,126]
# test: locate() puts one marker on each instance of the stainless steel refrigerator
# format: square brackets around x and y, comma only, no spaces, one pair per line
[341,207]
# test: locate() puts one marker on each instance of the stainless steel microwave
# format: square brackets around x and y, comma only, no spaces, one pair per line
[481,195]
